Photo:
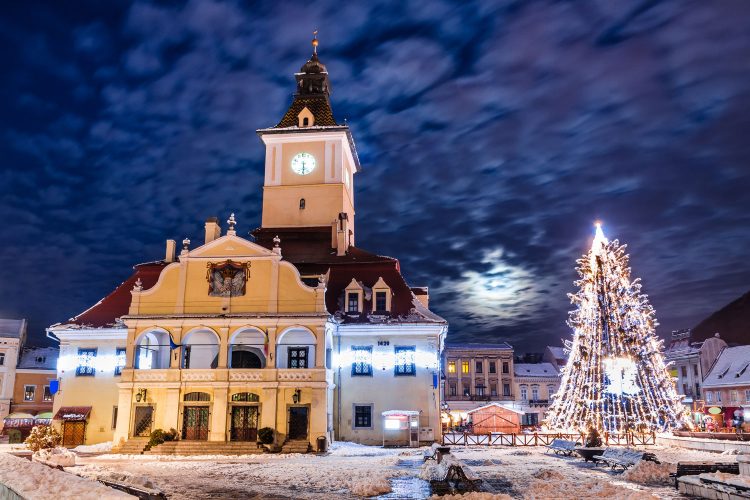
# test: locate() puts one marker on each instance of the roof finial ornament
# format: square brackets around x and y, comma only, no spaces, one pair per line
[232,222]
[315,42]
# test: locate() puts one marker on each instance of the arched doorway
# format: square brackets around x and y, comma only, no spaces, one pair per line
[247,349]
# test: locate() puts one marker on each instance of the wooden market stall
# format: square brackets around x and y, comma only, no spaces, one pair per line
[495,417]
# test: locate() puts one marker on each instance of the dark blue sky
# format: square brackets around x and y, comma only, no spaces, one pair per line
[492,135]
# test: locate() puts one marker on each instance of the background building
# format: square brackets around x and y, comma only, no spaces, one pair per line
[12,339]
[690,363]
[534,386]
[727,386]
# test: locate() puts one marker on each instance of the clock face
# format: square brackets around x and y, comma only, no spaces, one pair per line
[303,163]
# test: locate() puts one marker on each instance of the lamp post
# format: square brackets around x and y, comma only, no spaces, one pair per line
[296,396]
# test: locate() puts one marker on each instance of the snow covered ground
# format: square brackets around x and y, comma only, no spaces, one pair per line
[352,471]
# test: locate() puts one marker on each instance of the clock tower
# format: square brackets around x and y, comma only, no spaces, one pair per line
[310,161]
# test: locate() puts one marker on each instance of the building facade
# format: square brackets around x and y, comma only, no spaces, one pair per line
[12,339]
[297,329]
[475,374]
[535,384]
[690,363]
[727,388]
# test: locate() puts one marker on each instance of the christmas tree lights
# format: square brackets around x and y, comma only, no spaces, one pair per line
[615,379]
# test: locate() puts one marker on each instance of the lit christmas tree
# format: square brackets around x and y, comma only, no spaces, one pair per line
[615,379]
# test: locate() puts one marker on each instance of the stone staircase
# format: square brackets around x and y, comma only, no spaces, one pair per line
[296,446]
[206,448]
[133,446]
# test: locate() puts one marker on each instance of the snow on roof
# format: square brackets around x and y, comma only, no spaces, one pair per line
[499,406]
[534,370]
[470,345]
[44,358]
[400,413]
[557,352]
[14,328]
[731,368]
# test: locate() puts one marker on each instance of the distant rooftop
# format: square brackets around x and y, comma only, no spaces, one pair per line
[41,358]
[13,328]
[732,368]
[534,370]
[471,345]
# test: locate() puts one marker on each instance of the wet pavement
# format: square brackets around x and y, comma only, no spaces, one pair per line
[411,486]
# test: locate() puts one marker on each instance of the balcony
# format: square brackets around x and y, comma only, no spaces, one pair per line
[258,375]
[474,397]
[538,402]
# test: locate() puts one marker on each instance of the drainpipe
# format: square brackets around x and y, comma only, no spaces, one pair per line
[338,386]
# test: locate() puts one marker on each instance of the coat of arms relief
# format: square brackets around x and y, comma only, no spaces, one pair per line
[227,279]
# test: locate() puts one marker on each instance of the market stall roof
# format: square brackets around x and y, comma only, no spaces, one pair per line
[43,415]
[73,413]
[400,413]
[498,405]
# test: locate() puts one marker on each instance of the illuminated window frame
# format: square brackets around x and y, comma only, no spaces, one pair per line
[451,367]
[86,362]
[29,392]
[119,360]
[405,367]
[362,361]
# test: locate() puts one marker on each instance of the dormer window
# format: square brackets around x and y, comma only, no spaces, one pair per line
[353,295]
[381,297]
[305,118]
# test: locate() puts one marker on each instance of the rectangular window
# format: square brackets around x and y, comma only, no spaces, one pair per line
[506,367]
[452,389]
[405,360]
[362,416]
[492,367]
[747,395]
[530,419]
[362,363]
[114,417]
[478,367]
[451,367]
[47,395]
[493,389]
[709,397]
[297,357]
[86,359]
[684,389]
[534,392]
[718,396]
[550,391]
[697,390]
[467,393]
[684,371]
[29,391]
[695,370]
[733,396]
[506,390]
[524,393]
[480,390]
[119,360]
[352,303]
[464,367]
[380,302]
[2,358]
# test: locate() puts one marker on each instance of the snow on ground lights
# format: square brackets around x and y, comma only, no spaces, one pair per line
[352,471]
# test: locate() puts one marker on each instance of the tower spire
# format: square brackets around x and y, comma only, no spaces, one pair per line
[315,43]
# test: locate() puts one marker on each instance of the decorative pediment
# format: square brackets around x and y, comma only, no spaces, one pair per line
[230,246]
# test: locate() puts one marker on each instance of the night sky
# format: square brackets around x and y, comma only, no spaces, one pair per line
[491,136]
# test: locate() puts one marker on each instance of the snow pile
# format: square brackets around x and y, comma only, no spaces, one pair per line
[346,449]
[105,447]
[730,451]
[120,477]
[593,488]
[474,495]
[548,475]
[34,481]
[55,457]
[650,473]
[432,471]
[730,479]
[369,486]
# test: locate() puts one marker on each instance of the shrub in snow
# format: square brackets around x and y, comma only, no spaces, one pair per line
[265,435]
[593,439]
[43,437]
[158,436]
[650,473]
[55,457]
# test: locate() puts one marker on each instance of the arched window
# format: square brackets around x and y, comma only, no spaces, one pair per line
[247,349]
[152,351]
[200,349]
[295,348]
[245,397]
[305,122]
[197,396]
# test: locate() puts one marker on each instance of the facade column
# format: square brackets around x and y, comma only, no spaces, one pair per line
[460,379]
[223,347]
[130,349]
[268,409]
[122,426]
[175,354]
[320,347]
[219,416]
[172,408]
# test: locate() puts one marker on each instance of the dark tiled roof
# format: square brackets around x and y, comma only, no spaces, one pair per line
[318,104]
[478,346]
[117,303]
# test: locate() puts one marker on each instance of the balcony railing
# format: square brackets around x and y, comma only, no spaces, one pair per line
[229,374]
[474,397]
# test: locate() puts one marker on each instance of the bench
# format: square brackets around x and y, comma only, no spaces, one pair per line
[431,452]
[619,457]
[695,468]
[561,447]
[451,474]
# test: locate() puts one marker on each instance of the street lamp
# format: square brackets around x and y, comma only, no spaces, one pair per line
[140,395]
[296,396]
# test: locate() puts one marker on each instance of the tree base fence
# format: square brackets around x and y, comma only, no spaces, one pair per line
[542,439]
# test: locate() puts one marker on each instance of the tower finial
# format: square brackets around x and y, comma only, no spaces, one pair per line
[315,42]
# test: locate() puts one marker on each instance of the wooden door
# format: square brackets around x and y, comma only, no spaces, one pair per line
[298,422]
[195,423]
[244,423]
[74,433]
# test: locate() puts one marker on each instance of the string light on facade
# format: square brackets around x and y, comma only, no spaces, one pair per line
[615,379]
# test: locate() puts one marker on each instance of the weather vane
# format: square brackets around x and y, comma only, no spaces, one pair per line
[315,42]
